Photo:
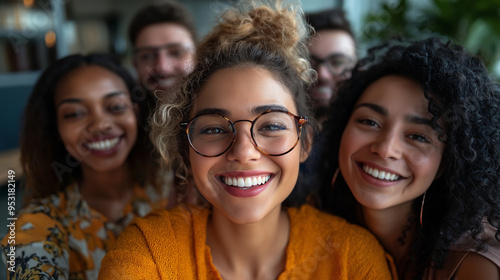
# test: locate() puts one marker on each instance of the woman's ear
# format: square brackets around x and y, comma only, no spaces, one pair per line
[137,109]
[307,143]
[442,167]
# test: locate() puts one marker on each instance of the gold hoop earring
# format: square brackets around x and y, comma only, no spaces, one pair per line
[422,209]
[335,176]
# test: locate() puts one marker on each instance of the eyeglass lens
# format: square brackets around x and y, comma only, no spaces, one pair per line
[149,55]
[337,64]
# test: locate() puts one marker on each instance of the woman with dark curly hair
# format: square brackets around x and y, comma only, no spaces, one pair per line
[87,165]
[411,153]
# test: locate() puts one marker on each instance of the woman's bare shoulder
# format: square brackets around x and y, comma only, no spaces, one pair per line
[476,266]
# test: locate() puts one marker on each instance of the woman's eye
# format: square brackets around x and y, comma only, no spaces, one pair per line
[368,122]
[420,138]
[73,115]
[273,127]
[213,130]
[118,108]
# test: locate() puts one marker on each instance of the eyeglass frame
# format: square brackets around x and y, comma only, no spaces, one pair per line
[157,49]
[318,61]
[301,120]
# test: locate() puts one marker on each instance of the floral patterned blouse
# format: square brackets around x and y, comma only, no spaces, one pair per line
[61,237]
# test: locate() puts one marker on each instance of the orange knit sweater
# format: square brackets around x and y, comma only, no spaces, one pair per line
[170,244]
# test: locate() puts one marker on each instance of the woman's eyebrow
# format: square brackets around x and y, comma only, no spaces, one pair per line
[113,94]
[263,108]
[415,119]
[68,100]
[410,118]
[256,111]
[379,109]
[78,100]
[212,111]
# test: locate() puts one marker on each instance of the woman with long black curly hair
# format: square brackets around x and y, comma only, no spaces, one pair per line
[411,152]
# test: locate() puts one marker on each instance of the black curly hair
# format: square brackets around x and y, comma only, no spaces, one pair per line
[465,99]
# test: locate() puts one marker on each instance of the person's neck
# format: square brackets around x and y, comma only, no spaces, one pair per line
[249,251]
[107,192]
[388,225]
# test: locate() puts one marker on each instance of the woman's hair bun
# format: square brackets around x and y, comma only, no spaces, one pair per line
[277,27]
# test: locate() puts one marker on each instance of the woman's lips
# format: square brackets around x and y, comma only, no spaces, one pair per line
[245,185]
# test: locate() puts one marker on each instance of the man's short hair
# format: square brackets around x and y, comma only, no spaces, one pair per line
[331,19]
[162,12]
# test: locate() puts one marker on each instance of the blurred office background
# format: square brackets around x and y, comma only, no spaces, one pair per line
[35,32]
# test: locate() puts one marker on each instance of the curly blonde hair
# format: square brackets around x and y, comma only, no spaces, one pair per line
[253,34]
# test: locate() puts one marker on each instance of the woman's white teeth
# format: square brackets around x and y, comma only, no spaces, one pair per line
[245,182]
[383,175]
[103,145]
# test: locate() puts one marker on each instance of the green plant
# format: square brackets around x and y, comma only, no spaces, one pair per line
[473,24]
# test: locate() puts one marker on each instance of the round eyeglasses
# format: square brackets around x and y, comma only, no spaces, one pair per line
[273,132]
[337,64]
[175,52]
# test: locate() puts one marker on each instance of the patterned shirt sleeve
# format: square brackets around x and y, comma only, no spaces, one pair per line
[41,248]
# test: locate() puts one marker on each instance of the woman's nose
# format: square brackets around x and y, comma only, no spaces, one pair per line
[387,145]
[243,148]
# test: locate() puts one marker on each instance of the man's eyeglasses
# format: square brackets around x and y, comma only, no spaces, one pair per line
[149,55]
[337,64]
[273,132]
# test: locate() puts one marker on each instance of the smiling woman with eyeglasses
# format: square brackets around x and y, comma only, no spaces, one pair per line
[237,129]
